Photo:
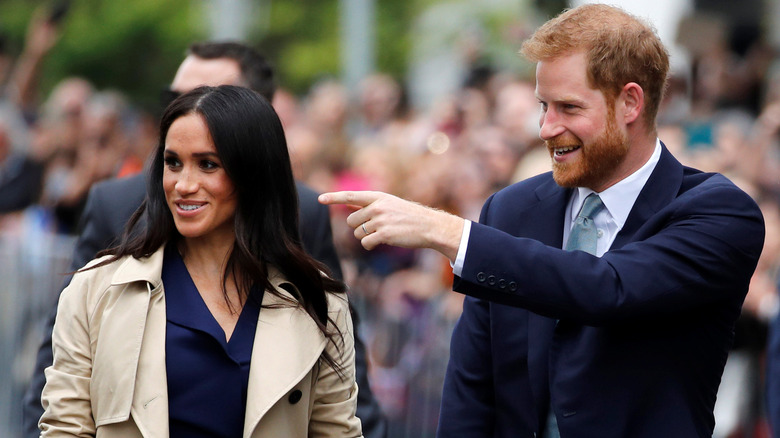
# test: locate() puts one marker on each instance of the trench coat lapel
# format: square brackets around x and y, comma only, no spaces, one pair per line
[287,345]
[144,301]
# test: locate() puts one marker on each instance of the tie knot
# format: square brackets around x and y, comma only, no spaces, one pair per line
[591,207]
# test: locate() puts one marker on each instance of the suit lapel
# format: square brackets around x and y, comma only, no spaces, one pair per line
[661,188]
[287,346]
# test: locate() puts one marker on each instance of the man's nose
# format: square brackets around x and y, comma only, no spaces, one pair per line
[550,125]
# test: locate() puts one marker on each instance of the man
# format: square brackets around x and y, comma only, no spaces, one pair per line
[111,203]
[21,175]
[626,333]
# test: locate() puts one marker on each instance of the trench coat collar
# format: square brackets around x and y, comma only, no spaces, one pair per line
[287,346]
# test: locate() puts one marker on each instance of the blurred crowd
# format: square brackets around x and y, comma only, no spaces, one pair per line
[721,114]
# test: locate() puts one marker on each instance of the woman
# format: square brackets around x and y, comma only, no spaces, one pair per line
[208,320]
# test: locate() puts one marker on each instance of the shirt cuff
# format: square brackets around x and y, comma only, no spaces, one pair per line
[457,267]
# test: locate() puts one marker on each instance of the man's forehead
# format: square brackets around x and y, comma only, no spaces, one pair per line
[194,72]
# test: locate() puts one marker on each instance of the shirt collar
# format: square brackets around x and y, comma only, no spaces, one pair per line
[619,199]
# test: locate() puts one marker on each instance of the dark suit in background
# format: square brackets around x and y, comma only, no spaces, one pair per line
[773,375]
[632,344]
[21,180]
[109,206]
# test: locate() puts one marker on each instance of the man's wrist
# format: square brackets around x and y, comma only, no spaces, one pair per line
[446,236]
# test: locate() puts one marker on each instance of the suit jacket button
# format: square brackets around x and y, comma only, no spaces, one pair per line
[295,397]
[502,283]
[512,286]
[492,280]
[481,277]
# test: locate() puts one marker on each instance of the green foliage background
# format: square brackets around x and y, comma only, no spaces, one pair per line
[135,46]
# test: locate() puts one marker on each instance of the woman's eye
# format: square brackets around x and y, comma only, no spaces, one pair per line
[208,165]
[171,162]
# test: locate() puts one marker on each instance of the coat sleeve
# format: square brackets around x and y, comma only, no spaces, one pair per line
[66,395]
[335,393]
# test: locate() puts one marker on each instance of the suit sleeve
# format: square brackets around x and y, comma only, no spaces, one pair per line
[66,395]
[316,231]
[335,396]
[468,402]
[95,234]
[701,250]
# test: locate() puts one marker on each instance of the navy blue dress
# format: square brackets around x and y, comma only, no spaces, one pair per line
[207,375]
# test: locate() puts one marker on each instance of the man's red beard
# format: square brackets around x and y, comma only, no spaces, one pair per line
[597,160]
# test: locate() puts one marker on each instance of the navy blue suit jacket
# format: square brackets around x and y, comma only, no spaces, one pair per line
[631,344]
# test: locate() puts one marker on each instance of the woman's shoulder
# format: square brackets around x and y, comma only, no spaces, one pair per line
[337,301]
[100,273]
[98,269]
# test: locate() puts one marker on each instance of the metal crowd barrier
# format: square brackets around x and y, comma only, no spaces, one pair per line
[32,261]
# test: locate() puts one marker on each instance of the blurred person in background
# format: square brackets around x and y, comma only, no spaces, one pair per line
[241,332]
[21,176]
[43,32]
[379,102]
[326,112]
[21,162]
[110,204]
[94,143]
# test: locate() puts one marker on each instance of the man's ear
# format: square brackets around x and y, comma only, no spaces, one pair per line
[631,102]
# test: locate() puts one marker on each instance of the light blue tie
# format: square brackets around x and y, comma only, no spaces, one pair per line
[584,234]
[583,237]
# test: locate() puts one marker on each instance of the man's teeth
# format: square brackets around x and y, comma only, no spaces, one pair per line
[189,207]
[561,151]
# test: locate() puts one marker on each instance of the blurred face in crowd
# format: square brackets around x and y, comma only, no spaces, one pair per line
[198,191]
[194,72]
[578,124]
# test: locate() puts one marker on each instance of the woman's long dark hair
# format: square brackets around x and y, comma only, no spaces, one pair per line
[250,143]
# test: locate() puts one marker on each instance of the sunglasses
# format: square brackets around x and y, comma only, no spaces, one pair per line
[167,96]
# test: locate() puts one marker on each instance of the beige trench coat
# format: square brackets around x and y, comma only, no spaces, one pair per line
[108,378]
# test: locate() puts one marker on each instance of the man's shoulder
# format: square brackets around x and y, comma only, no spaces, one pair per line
[120,189]
[306,195]
[696,183]
[532,188]
[308,203]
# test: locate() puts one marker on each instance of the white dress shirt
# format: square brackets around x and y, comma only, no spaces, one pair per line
[618,201]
